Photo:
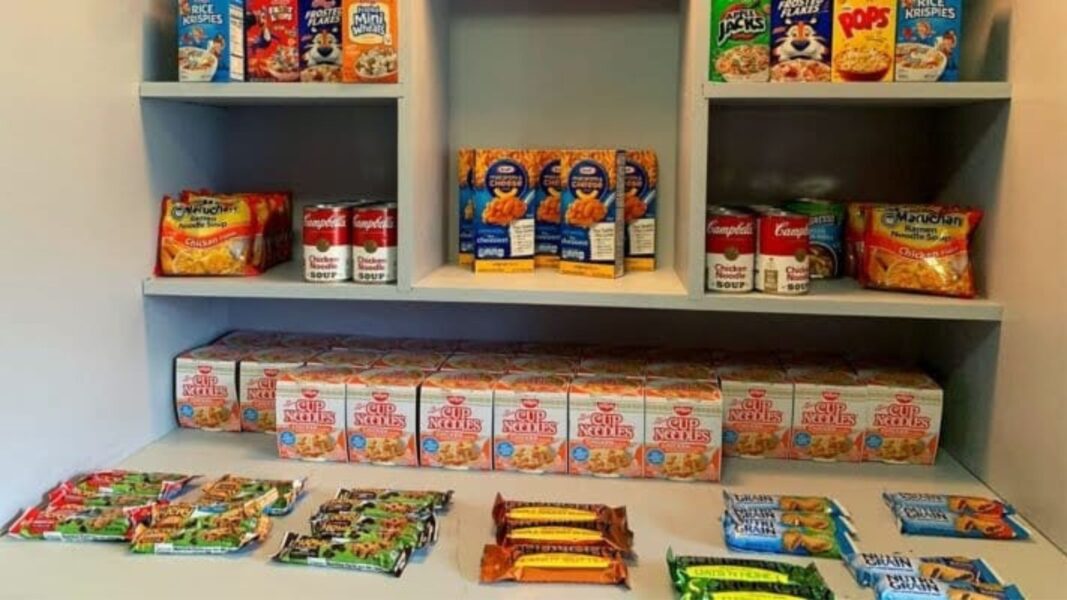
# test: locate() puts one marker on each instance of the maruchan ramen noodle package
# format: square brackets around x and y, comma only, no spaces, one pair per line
[382,417]
[211,40]
[606,430]
[456,420]
[801,39]
[311,413]
[207,235]
[505,186]
[642,183]
[530,423]
[320,41]
[465,177]
[904,423]
[370,45]
[258,381]
[929,34]
[916,248]
[740,40]
[272,40]
[683,430]
[593,213]
[548,202]
[205,388]
[864,40]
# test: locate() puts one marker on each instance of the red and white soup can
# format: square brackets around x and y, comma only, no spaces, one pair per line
[327,243]
[782,263]
[374,240]
[731,250]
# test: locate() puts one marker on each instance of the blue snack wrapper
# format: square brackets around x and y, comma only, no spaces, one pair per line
[769,537]
[917,520]
[957,504]
[819,504]
[909,587]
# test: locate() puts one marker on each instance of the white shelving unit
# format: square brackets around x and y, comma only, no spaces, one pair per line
[269,94]
[876,94]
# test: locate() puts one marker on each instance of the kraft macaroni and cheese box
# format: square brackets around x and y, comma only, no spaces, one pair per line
[865,35]
[904,426]
[465,179]
[382,417]
[211,40]
[456,420]
[505,185]
[929,34]
[594,189]
[320,41]
[683,430]
[547,202]
[801,40]
[642,182]
[530,423]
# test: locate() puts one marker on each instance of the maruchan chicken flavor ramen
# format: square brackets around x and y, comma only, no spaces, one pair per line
[505,186]
[207,235]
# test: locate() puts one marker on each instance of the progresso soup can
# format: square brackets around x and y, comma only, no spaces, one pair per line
[826,226]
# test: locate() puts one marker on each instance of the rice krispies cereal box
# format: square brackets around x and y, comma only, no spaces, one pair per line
[801,40]
[547,202]
[320,41]
[465,180]
[642,188]
[929,34]
[456,420]
[530,423]
[383,417]
[740,40]
[311,404]
[757,410]
[683,430]
[905,416]
[543,363]
[593,218]
[505,186]
[360,359]
[476,361]
[205,388]
[370,48]
[258,377]
[211,40]
[865,33]
[272,40]
[830,415]
[606,426]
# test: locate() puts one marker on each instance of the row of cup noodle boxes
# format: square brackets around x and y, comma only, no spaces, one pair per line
[585,212]
[609,416]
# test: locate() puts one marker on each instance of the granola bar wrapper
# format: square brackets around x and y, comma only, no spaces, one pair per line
[160,486]
[958,504]
[66,495]
[79,523]
[423,499]
[278,497]
[686,570]
[818,521]
[820,504]
[551,513]
[868,568]
[612,535]
[711,589]
[357,555]
[919,520]
[910,587]
[341,504]
[774,538]
[189,529]
[553,564]
[409,531]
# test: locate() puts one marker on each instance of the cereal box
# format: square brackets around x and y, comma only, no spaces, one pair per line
[830,413]
[456,420]
[680,369]
[370,44]
[425,360]
[359,359]
[320,41]
[801,36]
[505,184]
[864,40]
[683,430]
[530,423]
[592,242]
[272,40]
[606,428]
[757,410]
[543,363]
[642,183]
[905,416]
[476,361]
[465,177]
[211,40]
[382,417]
[311,413]
[626,367]
[929,33]
[205,388]
[258,376]
[547,202]
[740,40]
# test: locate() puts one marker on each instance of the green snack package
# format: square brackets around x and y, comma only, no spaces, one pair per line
[438,501]
[411,532]
[373,556]
[686,569]
[230,489]
[740,40]
[78,523]
[159,486]
[711,589]
[189,529]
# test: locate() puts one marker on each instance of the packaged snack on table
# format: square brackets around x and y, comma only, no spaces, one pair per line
[66,495]
[418,500]
[868,568]
[807,520]
[79,523]
[820,504]
[710,589]
[909,587]
[408,531]
[230,489]
[575,534]
[920,520]
[377,557]
[160,486]
[957,504]
[548,513]
[197,531]
[553,564]
[685,570]
[774,538]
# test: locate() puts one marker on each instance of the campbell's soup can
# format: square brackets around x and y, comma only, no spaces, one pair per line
[731,250]
[374,243]
[782,263]
[327,243]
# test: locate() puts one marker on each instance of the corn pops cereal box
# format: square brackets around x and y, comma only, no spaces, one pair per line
[547,201]
[830,414]
[258,377]
[311,404]
[905,416]
[456,420]
[530,423]
[205,388]
[683,430]
[382,417]
[865,33]
[929,33]
[757,409]
[505,186]
[465,176]
[593,233]
[639,208]
[370,41]
[606,426]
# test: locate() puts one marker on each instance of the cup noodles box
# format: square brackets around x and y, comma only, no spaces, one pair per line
[258,377]
[465,178]
[680,369]
[801,36]
[320,41]
[592,242]
[307,340]
[683,430]
[357,358]
[310,410]
[359,342]
[547,202]
[382,417]
[371,42]
[905,416]
[624,367]
[456,420]
[543,363]
[486,347]
[248,339]
[606,426]
[530,423]
[830,414]
[425,360]
[272,40]
[476,361]
[757,409]
[929,33]
[740,40]
[211,40]
[864,40]
[642,183]
[205,388]
[505,186]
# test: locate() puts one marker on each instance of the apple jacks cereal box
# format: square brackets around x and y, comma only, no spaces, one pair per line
[456,420]
[311,413]
[801,36]
[929,33]
[607,425]
[382,417]
[205,388]
[830,413]
[530,423]
[864,40]
[740,40]
[465,174]
[905,416]
[548,202]
[370,45]
[505,186]
[259,372]
[320,41]
[642,183]
[592,209]
[757,410]
[683,430]
[211,40]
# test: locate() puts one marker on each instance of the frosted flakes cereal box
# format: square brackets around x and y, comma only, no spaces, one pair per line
[830,415]
[465,177]
[370,45]
[929,33]
[801,39]
[530,423]
[311,404]
[258,376]
[383,416]
[642,184]
[606,427]
[359,359]
[205,388]
[905,416]
[505,185]
[320,41]
[426,360]
[547,202]
[740,40]
[592,242]
[248,339]
[476,361]
[625,367]
[543,363]
[865,33]
[679,369]
[683,430]
[757,410]
[211,40]
[456,420]
[272,40]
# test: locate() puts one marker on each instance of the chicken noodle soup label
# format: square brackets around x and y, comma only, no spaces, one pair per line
[683,430]
[382,417]
[740,40]
[505,187]
[530,423]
